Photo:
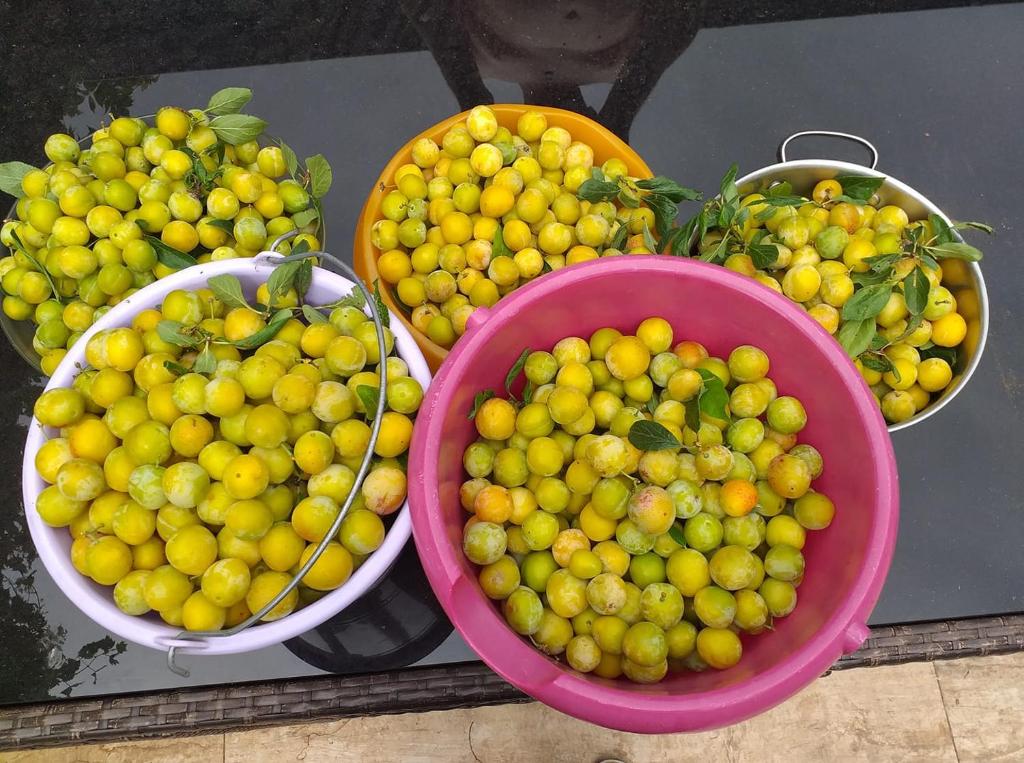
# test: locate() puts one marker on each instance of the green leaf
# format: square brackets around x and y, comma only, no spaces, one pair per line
[301,248]
[237,128]
[498,247]
[955,250]
[668,188]
[266,333]
[480,399]
[878,342]
[305,217]
[703,222]
[652,404]
[928,261]
[915,291]
[761,236]
[665,213]
[942,232]
[230,100]
[649,241]
[713,399]
[228,289]
[674,243]
[382,309]
[619,239]
[169,256]
[20,246]
[882,263]
[174,333]
[675,532]
[354,299]
[692,413]
[867,303]
[727,187]
[763,255]
[304,277]
[528,391]
[870,278]
[176,368]
[849,200]
[782,201]
[780,190]
[513,373]
[912,325]
[628,199]
[861,187]
[718,253]
[320,175]
[680,242]
[225,225]
[983,227]
[313,315]
[855,336]
[878,362]
[948,354]
[291,161]
[281,280]
[206,361]
[370,398]
[199,179]
[650,435]
[317,204]
[727,214]
[11,174]
[597,188]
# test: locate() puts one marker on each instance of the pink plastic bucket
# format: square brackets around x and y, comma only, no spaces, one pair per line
[846,564]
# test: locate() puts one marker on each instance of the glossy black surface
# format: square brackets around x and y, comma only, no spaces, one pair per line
[694,88]
[397,623]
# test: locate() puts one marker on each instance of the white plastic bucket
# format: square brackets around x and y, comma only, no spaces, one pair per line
[54,543]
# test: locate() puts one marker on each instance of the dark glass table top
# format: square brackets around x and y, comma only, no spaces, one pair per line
[693,88]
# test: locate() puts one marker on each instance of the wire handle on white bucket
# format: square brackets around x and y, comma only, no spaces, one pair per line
[201,636]
[831,133]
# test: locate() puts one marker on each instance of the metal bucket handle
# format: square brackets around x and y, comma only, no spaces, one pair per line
[200,637]
[831,133]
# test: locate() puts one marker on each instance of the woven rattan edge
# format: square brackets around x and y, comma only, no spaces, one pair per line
[202,710]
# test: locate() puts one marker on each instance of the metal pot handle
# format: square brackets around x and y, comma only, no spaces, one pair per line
[855,138]
[198,638]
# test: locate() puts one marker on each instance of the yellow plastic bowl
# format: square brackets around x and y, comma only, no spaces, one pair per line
[604,143]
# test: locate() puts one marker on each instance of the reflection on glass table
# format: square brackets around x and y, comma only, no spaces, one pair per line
[552,49]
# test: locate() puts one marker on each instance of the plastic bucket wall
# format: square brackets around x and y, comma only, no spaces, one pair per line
[846,563]
[54,544]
